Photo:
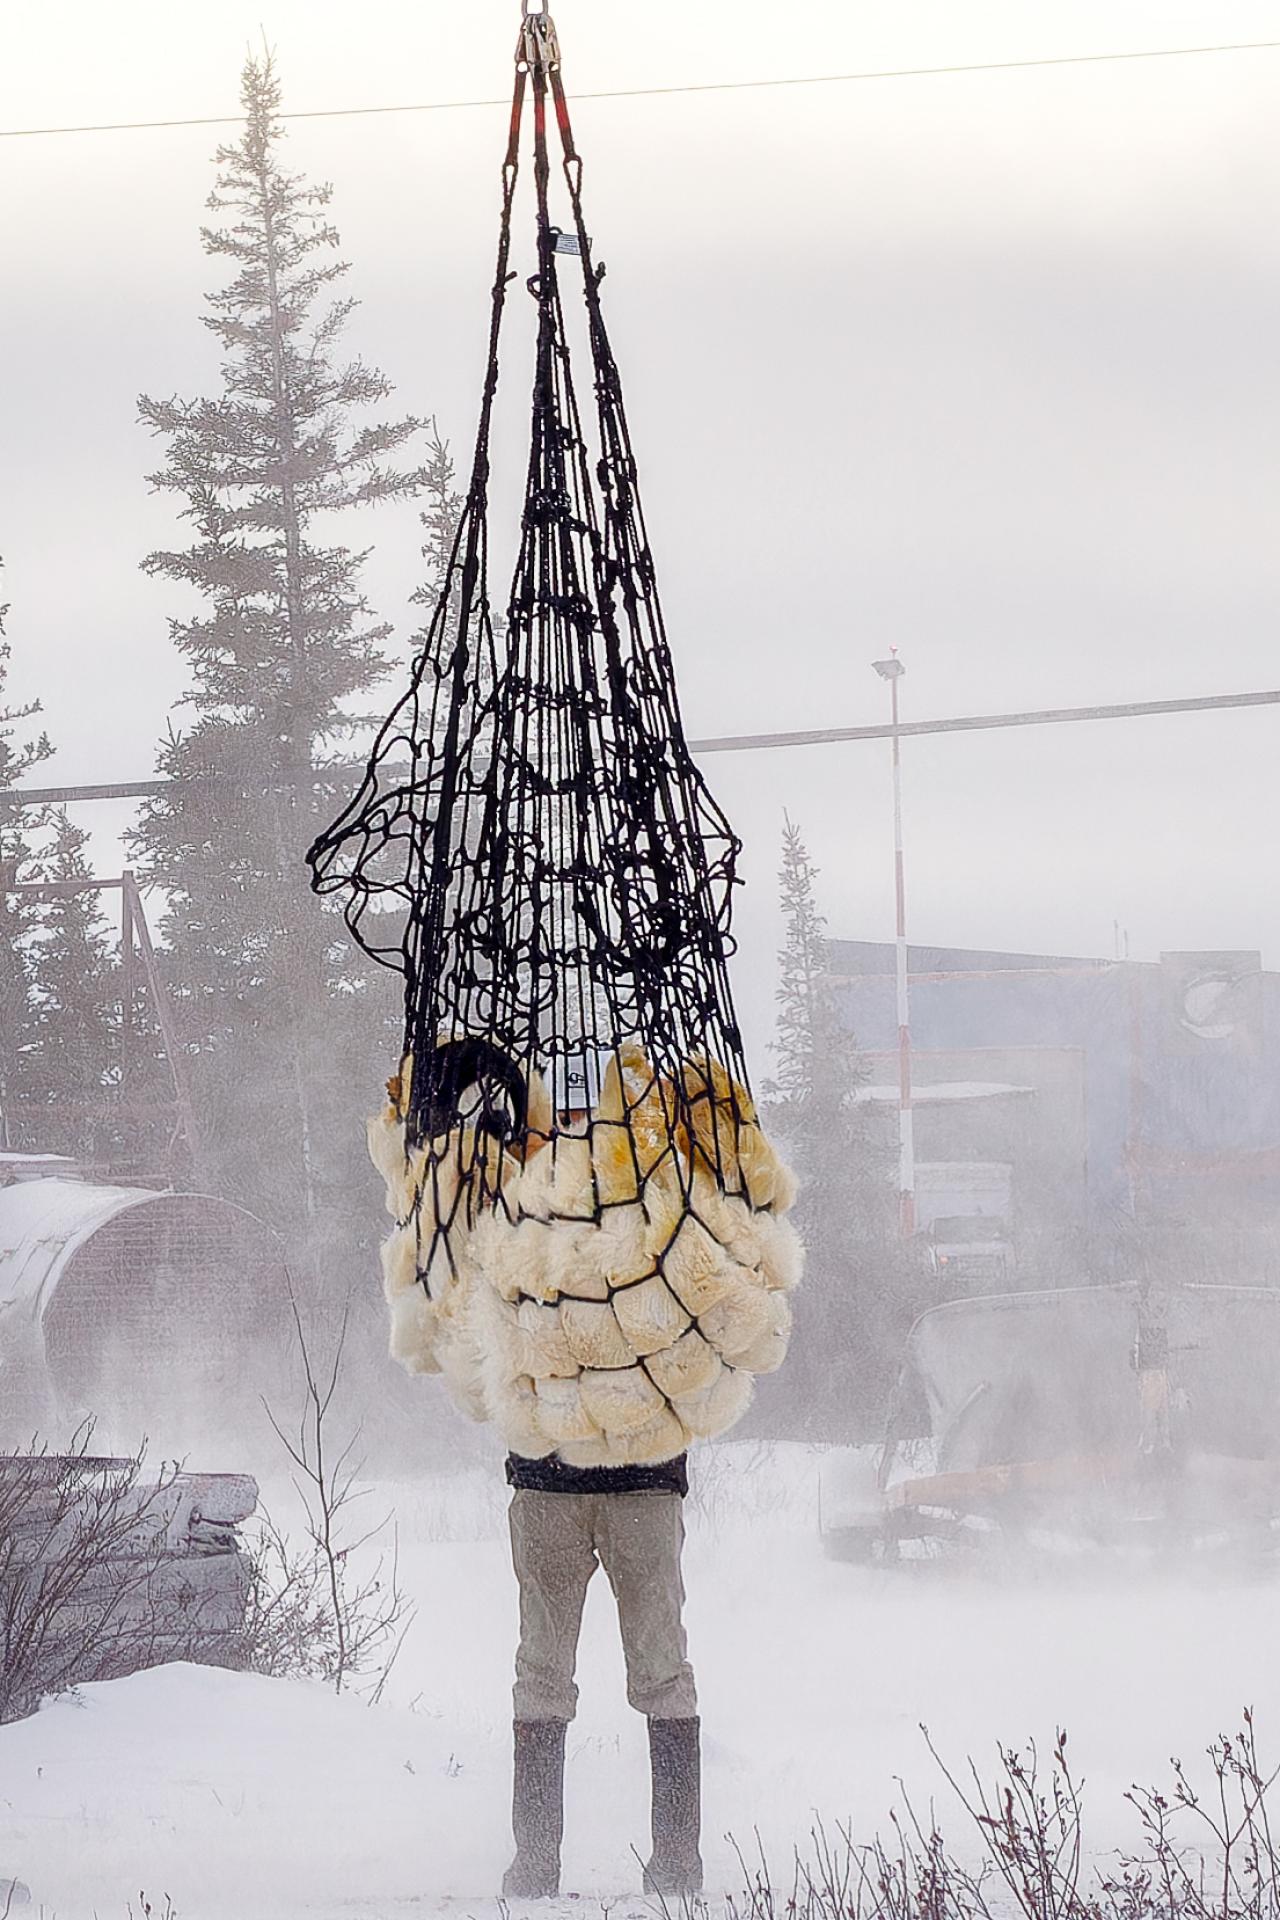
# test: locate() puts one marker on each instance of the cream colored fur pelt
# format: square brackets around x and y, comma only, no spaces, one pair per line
[630,1281]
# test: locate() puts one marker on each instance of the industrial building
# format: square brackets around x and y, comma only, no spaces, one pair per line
[1122,1104]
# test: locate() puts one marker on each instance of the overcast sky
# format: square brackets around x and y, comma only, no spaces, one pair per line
[982,365]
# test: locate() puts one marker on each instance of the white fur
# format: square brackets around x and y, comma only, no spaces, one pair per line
[579,1270]
[737,1320]
[691,1365]
[621,1402]
[763,1175]
[385,1136]
[660,1438]
[614,1163]
[518,1256]
[593,1335]
[781,1252]
[561,1414]
[521,1428]
[612,1339]
[571,1193]
[695,1267]
[617,1247]
[495,1361]
[718,1407]
[730,1221]
[650,1316]
[768,1351]
[413,1332]
[399,1255]
[549,1355]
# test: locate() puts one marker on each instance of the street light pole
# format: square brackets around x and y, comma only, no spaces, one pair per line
[892,670]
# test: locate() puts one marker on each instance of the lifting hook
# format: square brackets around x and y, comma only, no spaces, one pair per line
[537,48]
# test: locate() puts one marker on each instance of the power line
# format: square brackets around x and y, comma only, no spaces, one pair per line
[984,722]
[649,93]
[338,776]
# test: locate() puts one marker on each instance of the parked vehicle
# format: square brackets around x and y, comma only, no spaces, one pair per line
[1085,1418]
[964,1209]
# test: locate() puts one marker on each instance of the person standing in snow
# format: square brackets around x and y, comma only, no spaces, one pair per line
[610,1300]
[566,1521]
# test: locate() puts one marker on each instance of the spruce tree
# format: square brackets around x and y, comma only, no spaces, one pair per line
[440,518]
[282,1022]
[21,751]
[75,993]
[855,1304]
[817,1052]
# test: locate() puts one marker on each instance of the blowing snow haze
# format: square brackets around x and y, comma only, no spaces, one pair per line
[956,351]
[977,364]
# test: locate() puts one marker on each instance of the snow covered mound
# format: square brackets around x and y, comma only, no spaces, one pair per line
[238,1795]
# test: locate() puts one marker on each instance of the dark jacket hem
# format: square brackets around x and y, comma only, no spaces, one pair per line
[551,1475]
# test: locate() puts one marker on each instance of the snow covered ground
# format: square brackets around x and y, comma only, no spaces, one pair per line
[240,1796]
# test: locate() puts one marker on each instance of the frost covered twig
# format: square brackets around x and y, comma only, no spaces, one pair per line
[309,1614]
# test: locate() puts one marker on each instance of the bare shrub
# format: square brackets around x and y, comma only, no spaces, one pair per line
[326,1609]
[1210,1857]
[1199,1855]
[289,1627]
[1033,1830]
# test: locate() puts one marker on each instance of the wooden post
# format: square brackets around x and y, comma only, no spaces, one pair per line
[127,983]
[10,961]
[159,1000]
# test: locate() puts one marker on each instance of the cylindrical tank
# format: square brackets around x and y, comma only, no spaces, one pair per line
[162,1315]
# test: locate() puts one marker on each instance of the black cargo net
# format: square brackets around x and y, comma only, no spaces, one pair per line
[532,845]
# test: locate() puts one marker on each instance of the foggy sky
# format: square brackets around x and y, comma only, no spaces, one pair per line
[981,365]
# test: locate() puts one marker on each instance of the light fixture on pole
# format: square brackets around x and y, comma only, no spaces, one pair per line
[892,670]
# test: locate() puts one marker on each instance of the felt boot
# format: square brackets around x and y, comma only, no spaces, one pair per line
[537,1810]
[675,1865]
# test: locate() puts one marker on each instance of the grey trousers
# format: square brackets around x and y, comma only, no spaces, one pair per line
[557,1541]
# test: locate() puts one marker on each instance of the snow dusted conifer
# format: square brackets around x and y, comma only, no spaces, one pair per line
[817,1054]
[282,1022]
[20,753]
[848,1317]
[75,990]
[440,517]
[818,1063]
